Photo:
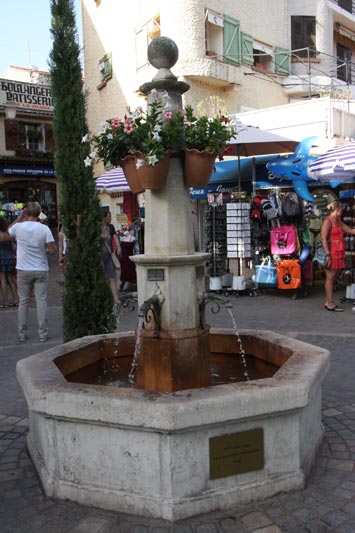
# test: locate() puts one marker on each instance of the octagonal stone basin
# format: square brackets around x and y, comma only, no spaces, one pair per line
[173,455]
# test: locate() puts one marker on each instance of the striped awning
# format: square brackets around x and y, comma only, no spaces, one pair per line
[112,180]
[337,164]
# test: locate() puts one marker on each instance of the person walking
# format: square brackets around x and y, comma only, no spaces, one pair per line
[34,241]
[7,265]
[109,237]
[332,237]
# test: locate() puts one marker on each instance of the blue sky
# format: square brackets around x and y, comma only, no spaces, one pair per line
[25,33]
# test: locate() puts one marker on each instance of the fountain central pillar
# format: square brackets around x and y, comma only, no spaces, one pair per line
[174,349]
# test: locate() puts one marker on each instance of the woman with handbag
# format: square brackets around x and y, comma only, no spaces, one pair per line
[332,237]
[109,258]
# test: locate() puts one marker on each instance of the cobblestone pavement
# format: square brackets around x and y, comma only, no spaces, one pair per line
[326,504]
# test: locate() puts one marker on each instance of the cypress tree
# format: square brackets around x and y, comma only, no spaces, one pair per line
[87,301]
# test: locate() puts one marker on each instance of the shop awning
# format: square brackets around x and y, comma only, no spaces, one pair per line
[112,180]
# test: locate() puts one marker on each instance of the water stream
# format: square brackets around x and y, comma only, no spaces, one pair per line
[241,349]
[137,350]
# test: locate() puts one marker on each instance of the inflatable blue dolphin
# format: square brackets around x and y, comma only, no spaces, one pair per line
[294,167]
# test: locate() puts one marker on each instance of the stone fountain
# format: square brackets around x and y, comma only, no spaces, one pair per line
[177,444]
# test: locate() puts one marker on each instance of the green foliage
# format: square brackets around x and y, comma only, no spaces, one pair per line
[151,133]
[87,305]
[209,134]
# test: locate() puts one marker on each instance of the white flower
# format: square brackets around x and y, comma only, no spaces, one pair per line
[152,160]
[153,91]
[156,136]
[85,138]
[87,161]
[93,155]
[157,127]
[110,136]
[139,163]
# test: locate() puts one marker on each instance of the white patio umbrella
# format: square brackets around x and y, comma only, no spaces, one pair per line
[336,165]
[112,180]
[251,141]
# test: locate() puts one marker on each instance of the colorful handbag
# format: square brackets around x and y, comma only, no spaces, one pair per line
[265,274]
[288,274]
[283,240]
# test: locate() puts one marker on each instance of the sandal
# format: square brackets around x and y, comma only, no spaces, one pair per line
[4,306]
[14,304]
[336,309]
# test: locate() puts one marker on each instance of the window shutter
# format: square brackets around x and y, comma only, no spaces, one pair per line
[231,40]
[12,134]
[49,139]
[282,61]
[247,48]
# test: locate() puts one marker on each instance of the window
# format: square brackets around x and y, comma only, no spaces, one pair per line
[303,35]
[31,136]
[343,63]
[105,67]
[144,36]
[263,56]
[214,34]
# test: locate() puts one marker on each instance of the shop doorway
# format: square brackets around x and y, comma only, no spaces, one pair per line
[32,191]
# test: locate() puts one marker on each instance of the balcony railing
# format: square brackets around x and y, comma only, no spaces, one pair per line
[348,5]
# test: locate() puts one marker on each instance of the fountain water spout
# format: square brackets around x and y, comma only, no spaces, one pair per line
[151,309]
[206,297]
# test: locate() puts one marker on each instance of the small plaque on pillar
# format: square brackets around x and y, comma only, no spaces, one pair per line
[155,274]
[237,453]
[200,272]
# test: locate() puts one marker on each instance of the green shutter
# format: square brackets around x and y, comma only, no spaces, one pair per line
[231,40]
[282,61]
[247,48]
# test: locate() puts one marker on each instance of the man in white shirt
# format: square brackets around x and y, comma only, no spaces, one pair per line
[34,241]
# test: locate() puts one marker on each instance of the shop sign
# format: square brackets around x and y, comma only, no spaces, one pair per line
[27,171]
[26,95]
[219,188]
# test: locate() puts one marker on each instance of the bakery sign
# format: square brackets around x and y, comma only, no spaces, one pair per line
[26,95]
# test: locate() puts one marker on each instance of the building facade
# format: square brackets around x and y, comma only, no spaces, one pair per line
[26,142]
[236,56]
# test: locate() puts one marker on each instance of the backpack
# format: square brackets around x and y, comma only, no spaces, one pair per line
[290,205]
[269,211]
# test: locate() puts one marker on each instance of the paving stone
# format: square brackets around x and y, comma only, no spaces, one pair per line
[91,525]
[256,520]
[206,528]
[335,518]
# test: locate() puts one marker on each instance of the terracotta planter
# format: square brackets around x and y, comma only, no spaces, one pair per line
[128,165]
[154,177]
[198,167]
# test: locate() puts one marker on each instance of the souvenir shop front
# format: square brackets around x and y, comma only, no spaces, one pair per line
[266,237]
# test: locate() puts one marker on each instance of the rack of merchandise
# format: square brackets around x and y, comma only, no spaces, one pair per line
[215,228]
[348,202]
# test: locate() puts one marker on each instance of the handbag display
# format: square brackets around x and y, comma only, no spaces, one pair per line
[288,274]
[265,273]
[283,240]
[115,260]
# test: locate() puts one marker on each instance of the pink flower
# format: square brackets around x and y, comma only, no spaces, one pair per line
[128,126]
[115,123]
[168,115]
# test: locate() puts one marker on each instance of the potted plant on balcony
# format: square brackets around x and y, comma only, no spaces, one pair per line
[205,140]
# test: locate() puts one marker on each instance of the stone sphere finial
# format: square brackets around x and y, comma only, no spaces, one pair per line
[163,54]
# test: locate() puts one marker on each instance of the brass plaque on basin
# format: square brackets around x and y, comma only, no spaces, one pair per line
[155,274]
[237,453]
